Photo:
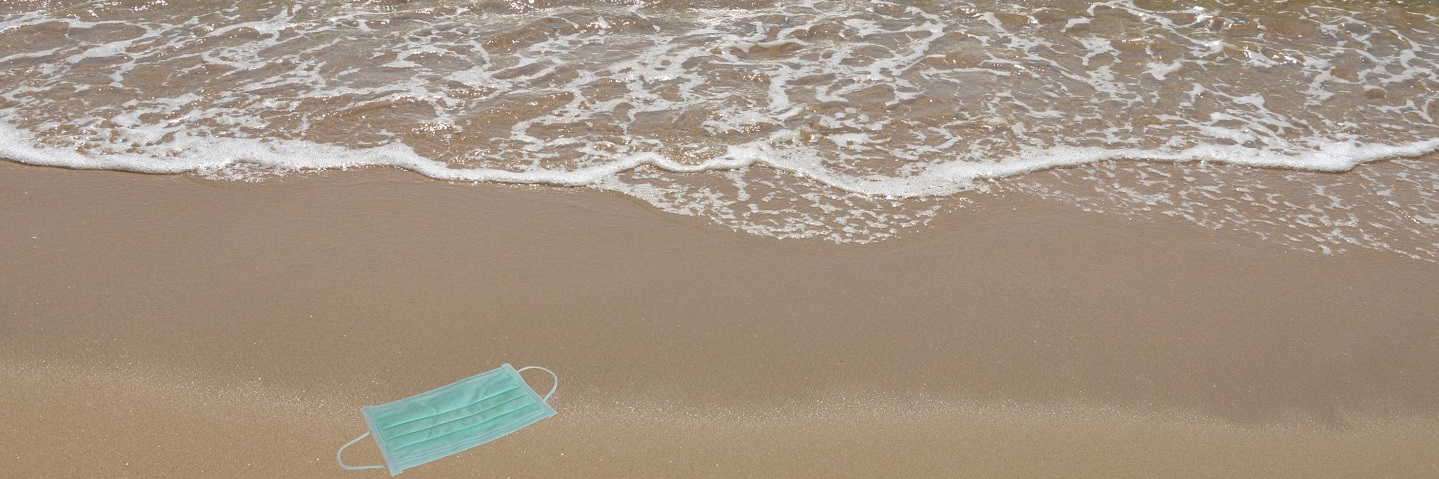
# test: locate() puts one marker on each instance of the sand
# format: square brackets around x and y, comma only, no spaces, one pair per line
[167,326]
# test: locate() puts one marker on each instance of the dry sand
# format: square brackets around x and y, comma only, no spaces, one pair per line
[163,326]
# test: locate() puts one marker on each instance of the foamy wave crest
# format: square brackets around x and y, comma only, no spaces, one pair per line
[830,119]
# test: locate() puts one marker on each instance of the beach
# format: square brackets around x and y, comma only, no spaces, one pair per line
[810,239]
[176,326]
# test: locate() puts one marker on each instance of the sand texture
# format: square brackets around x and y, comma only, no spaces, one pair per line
[168,326]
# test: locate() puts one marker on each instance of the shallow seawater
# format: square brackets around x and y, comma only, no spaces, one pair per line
[850,121]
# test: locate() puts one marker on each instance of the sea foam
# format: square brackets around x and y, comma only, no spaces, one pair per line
[843,117]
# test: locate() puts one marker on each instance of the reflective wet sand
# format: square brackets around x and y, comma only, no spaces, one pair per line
[166,326]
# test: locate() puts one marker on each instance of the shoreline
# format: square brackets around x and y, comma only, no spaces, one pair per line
[1010,337]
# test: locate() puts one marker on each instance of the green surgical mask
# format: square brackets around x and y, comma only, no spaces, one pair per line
[432,425]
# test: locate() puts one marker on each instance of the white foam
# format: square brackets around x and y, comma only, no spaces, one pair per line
[1161,71]
[845,99]
[190,153]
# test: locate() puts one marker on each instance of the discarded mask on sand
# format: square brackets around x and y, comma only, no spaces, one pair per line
[453,418]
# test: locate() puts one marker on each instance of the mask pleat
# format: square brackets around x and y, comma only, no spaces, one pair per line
[431,420]
[439,401]
[418,438]
[444,421]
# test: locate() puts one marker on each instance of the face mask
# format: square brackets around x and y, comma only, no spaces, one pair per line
[432,425]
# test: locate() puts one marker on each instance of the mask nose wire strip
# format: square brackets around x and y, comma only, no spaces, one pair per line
[552,374]
[342,451]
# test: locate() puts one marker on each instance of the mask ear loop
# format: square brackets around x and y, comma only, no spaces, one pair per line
[342,451]
[552,374]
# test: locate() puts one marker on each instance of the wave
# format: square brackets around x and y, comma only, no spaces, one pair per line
[849,104]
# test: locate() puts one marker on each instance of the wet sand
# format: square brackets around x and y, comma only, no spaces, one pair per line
[164,326]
